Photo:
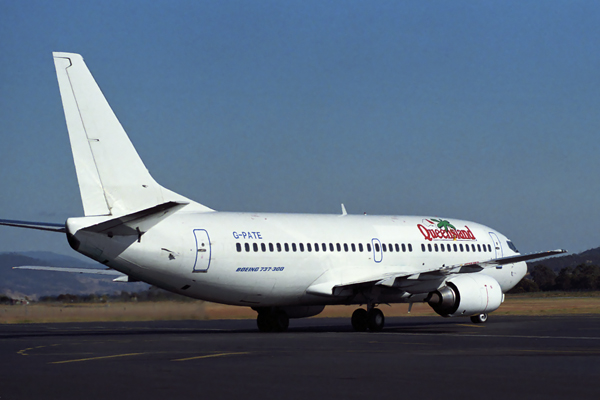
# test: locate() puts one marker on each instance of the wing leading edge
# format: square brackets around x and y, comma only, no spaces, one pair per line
[395,280]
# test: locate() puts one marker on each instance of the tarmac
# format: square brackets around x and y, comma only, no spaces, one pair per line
[512,357]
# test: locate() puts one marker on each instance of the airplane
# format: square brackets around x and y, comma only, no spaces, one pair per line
[281,265]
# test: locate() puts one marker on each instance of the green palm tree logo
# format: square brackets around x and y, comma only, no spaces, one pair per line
[443,224]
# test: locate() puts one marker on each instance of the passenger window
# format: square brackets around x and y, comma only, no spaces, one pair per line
[238,247]
[323,246]
[467,247]
[479,248]
[384,247]
[353,247]
[398,248]
[461,247]
[429,246]
[369,247]
[339,248]
[271,249]
[294,247]
[455,247]
[489,248]
[308,247]
[377,249]
[409,247]
[422,247]
[403,248]
[263,247]
[360,247]
[346,247]
[255,246]
[331,247]
[247,247]
[473,248]
[442,247]
[316,246]
[287,247]
[279,247]
[301,246]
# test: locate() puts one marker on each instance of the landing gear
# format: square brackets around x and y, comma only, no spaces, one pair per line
[360,320]
[272,321]
[372,320]
[479,318]
[376,320]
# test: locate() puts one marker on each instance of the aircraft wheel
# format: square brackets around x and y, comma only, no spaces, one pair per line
[376,320]
[264,322]
[479,318]
[359,320]
[281,321]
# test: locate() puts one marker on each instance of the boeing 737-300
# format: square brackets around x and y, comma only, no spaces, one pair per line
[282,265]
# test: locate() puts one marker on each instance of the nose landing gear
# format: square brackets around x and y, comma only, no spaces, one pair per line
[479,318]
[372,320]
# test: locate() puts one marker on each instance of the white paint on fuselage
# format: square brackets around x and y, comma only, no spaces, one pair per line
[166,254]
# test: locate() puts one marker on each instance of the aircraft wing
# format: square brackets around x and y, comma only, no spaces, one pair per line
[479,265]
[406,277]
[120,277]
[43,226]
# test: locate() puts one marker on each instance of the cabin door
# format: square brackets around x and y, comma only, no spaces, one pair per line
[203,251]
[497,245]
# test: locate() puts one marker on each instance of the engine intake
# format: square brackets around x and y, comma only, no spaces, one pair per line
[467,294]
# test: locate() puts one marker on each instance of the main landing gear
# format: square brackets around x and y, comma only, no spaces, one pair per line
[372,320]
[272,320]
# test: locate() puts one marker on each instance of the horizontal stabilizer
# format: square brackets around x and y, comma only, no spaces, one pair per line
[72,270]
[136,223]
[42,226]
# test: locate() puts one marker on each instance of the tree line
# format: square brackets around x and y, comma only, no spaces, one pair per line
[584,277]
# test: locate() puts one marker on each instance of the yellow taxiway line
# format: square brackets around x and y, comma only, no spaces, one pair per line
[211,355]
[96,358]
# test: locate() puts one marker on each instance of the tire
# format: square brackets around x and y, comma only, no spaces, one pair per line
[479,318]
[281,321]
[359,320]
[375,320]
[264,322]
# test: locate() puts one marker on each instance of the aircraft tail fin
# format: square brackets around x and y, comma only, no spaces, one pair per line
[112,178]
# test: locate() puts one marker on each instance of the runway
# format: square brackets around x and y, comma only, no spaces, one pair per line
[429,357]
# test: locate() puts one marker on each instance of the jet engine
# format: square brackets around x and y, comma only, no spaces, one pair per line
[467,294]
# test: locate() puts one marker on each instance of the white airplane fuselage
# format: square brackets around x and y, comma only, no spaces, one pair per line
[264,259]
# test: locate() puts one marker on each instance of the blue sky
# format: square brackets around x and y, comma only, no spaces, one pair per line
[485,111]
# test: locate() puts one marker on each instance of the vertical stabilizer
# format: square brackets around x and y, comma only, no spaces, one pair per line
[112,178]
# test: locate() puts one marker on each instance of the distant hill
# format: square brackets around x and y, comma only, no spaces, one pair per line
[34,284]
[591,256]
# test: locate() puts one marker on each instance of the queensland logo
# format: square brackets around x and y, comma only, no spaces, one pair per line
[439,229]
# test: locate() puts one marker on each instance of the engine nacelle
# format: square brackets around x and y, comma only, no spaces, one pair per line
[467,294]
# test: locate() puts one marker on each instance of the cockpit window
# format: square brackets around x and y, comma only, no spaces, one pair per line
[512,246]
